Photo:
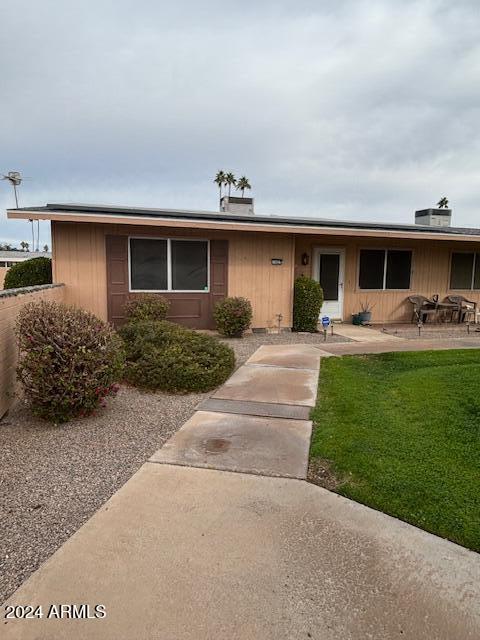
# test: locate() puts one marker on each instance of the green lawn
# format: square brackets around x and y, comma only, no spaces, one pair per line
[402,434]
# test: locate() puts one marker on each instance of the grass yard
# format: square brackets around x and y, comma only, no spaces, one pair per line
[401,433]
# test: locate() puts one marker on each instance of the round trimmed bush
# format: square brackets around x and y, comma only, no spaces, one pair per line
[307,303]
[232,316]
[148,306]
[69,360]
[164,356]
[29,273]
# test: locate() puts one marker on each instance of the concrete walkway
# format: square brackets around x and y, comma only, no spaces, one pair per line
[257,422]
[364,334]
[191,553]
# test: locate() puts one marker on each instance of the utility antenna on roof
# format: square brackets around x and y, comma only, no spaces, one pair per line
[15,179]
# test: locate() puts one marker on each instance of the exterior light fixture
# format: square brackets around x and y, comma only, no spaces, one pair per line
[305,259]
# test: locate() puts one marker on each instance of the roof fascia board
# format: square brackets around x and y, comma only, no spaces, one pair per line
[195,223]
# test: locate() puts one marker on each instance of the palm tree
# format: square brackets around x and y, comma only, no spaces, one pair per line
[442,203]
[220,180]
[27,246]
[230,181]
[22,244]
[243,184]
[45,248]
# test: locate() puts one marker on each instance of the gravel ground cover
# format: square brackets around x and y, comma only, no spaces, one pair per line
[52,479]
[445,331]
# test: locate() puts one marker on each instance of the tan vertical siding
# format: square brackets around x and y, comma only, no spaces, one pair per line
[10,305]
[252,275]
[80,263]
[430,273]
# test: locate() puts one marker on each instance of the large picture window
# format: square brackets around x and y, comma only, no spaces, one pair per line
[465,271]
[168,264]
[385,269]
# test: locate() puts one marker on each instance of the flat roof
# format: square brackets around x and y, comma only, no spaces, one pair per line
[16,256]
[66,210]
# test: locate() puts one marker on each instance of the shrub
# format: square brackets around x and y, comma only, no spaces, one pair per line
[162,355]
[307,302]
[232,316]
[69,360]
[29,273]
[148,306]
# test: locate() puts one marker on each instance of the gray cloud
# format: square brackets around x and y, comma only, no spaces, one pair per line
[354,109]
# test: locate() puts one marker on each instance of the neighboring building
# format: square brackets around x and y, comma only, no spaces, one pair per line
[9,258]
[105,254]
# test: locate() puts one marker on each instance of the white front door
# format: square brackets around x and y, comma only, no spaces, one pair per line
[329,270]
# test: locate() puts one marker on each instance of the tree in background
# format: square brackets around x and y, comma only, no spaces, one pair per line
[443,203]
[230,181]
[220,180]
[45,248]
[243,184]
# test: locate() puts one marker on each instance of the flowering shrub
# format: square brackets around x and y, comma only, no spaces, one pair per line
[69,360]
[166,356]
[232,316]
[148,306]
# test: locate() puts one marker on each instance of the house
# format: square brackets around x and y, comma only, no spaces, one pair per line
[104,254]
[11,257]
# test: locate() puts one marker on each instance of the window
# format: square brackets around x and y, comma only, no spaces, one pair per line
[465,271]
[385,269]
[168,264]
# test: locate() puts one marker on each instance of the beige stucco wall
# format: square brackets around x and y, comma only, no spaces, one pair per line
[10,305]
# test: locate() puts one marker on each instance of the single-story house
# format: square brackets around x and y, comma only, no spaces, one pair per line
[106,254]
[11,257]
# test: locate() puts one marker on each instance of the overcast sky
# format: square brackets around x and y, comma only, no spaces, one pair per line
[335,108]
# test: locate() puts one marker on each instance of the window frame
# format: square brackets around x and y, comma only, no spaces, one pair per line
[384,281]
[474,264]
[169,265]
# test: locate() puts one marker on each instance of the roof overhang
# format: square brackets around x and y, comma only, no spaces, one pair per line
[261,224]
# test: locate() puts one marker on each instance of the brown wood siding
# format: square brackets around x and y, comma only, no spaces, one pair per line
[430,274]
[193,310]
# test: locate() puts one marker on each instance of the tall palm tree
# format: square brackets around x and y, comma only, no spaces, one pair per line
[243,184]
[230,181]
[220,180]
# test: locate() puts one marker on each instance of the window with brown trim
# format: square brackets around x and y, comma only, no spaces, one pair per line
[168,264]
[385,269]
[465,270]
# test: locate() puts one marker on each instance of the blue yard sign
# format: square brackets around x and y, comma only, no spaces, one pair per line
[325,322]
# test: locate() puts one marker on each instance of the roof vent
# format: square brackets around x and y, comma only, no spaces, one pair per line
[433,217]
[231,204]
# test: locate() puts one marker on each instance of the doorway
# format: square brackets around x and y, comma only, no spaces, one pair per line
[329,270]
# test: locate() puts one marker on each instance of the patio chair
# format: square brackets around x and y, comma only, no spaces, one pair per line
[423,308]
[465,308]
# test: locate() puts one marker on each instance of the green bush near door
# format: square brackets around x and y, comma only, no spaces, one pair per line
[307,303]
